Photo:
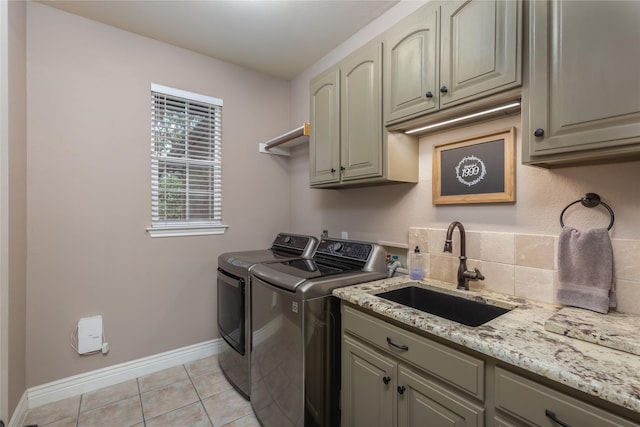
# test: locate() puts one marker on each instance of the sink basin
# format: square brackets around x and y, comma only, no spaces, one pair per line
[458,309]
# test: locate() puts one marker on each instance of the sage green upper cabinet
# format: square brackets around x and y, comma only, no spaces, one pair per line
[583,103]
[411,65]
[348,144]
[360,114]
[450,53]
[481,49]
[324,141]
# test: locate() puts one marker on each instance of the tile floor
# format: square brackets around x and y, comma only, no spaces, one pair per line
[191,395]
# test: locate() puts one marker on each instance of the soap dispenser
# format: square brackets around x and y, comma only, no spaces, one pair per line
[415,265]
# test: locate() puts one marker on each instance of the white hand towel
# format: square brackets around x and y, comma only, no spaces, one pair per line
[585,268]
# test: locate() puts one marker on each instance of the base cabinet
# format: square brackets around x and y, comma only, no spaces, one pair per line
[533,404]
[368,386]
[393,377]
[423,402]
[383,386]
[378,390]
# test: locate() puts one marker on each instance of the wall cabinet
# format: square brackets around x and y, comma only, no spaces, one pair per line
[348,145]
[407,381]
[583,102]
[324,141]
[450,53]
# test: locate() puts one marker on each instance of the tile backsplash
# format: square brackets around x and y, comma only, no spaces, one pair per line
[523,265]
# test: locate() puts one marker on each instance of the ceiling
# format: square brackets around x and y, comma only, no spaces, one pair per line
[277,37]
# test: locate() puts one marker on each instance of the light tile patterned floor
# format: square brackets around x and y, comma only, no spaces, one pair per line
[192,395]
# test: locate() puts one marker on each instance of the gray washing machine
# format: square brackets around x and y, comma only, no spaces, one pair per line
[234,302]
[296,332]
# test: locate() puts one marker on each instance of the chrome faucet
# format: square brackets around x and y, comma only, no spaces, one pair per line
[464,275]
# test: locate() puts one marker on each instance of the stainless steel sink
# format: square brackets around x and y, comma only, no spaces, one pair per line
[458,309]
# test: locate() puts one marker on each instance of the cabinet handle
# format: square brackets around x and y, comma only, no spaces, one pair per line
[399,347]
[555,419]
[333,170]
[401,389]
[386,380]
[444,89]
[342,168]
[538,132]
[429,95]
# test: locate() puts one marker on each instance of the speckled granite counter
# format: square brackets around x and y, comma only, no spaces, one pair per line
[517,338]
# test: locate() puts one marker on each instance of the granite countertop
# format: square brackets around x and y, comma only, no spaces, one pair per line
[518,338]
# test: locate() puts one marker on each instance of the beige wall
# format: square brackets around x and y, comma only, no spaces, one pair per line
[14,209]
[386,212]
[89,191]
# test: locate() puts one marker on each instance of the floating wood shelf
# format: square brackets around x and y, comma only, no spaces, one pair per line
[292,137]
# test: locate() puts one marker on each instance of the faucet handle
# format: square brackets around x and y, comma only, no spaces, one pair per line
[473,275]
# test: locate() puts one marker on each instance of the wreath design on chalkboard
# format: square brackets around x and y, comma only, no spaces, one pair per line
[470,166]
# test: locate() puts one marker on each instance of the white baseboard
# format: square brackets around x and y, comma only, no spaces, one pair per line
[20,413]
[94,380]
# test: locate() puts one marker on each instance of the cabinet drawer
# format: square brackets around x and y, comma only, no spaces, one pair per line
[530,401]
[462,371]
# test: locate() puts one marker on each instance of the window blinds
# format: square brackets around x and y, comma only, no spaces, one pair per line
[186,148]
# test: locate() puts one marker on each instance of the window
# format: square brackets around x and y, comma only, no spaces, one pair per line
[186,168]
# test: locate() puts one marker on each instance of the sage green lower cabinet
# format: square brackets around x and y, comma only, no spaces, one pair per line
[386,385]
[423,402]
[501,422]
[394,377]
[533,404]
[368,385]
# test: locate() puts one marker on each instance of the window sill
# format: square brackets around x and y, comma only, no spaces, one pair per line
[186,230]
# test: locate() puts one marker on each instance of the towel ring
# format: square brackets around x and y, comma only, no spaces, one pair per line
[589,200]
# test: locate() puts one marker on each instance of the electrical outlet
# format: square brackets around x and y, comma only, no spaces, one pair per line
[345,234]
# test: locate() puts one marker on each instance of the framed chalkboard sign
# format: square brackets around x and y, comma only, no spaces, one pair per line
[477,170]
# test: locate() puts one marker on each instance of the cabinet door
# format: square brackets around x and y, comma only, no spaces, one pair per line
[481,49]
[411,64]
[584,77]
[324,141]
[360,114]
[368,386]
[422,402]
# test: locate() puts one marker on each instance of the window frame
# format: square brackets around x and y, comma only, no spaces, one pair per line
[184,227]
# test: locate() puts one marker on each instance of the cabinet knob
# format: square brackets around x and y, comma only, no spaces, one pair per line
[538,132]
[333,170]
[342,168]
[429,94]
[401,389]
[386,380]
[444,89]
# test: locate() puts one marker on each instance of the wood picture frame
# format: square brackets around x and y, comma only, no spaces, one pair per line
[475,170]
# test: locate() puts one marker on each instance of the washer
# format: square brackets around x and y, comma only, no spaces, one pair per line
[234,302]
[296,332]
